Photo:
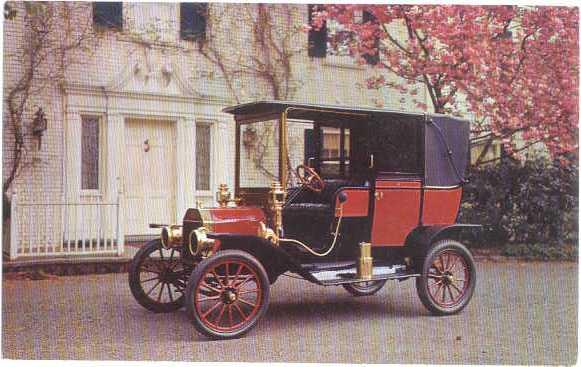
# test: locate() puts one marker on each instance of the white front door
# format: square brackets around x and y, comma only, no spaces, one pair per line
[149,175]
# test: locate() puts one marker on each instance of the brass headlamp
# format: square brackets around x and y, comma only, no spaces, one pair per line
[200,244]
[171,236]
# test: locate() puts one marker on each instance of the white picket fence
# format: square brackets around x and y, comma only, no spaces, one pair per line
[42,229]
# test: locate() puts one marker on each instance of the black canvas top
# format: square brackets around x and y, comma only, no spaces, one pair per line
[304,111]
[446,139]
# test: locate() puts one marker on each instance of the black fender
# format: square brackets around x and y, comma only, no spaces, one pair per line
[422,237]
[274,258]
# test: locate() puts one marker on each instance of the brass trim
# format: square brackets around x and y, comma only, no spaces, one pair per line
[277,196]
[365,263]
[283,163]
[442,187]
[223,195]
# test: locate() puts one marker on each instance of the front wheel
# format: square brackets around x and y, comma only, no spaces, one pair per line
[157,277]
[227,294]
[364,288]
[447,279]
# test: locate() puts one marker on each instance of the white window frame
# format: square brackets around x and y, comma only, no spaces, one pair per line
[101,156]
[212,124]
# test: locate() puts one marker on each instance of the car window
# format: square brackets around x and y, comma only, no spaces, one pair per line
[397,144]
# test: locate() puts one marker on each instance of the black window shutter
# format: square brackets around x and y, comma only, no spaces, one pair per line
[108,14]
[371,59]
[193,17]
[317,37]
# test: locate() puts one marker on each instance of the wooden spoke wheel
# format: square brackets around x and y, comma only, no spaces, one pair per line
[448,278]
[364,288]
[227,294]
[158,277]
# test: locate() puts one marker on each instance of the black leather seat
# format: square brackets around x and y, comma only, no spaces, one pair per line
[317,209]
[316,204]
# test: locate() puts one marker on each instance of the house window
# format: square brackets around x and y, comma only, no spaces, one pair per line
[193,17]
[90,147]
[108,15]
[203,156]
[317,37]
[334,39]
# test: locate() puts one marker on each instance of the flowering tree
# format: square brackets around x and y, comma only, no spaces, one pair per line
[517,67]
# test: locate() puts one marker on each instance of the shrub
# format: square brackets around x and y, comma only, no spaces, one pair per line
[524,204]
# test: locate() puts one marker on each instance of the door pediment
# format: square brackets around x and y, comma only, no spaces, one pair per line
[162,77]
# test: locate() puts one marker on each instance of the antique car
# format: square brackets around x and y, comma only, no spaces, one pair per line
[334,195]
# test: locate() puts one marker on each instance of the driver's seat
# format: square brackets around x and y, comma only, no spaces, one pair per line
[316,204]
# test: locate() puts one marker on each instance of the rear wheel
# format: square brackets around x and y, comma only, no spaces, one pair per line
[364,288]
[447,279]
[227,294]
[157,277]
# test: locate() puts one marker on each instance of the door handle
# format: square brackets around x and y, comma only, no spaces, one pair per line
[378,195]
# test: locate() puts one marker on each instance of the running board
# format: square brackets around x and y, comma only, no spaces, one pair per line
[346,275]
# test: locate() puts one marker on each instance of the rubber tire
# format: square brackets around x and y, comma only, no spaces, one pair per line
[135,285]
[421,281]
[358,290]
[196,276]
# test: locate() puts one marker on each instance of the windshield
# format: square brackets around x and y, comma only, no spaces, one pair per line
[325,148]
[259,153]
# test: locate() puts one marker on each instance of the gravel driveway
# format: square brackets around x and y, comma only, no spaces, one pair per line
[521,313]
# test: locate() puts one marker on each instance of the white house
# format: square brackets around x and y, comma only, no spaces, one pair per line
[135,130]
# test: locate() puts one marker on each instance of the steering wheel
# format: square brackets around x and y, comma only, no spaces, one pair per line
[310,179]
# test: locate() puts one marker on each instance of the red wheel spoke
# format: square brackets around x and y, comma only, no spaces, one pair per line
[208,298]
[240,266]
[205,284]
[244,317]
[219,318]
[249,277]
[438,290]
[218,279]
[230,318]
[205,314]
[453,264]
[441,260]
[248,291]
[246,302]
[227,275]
[456,288]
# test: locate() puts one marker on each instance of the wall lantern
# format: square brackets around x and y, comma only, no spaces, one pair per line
[146,146]
[249,137]
[39,125]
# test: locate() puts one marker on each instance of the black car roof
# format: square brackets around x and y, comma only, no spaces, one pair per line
[309,111]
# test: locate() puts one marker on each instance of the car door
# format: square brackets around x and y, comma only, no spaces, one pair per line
[395,171]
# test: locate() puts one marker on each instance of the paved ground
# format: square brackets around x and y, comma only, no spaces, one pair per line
[520,314]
